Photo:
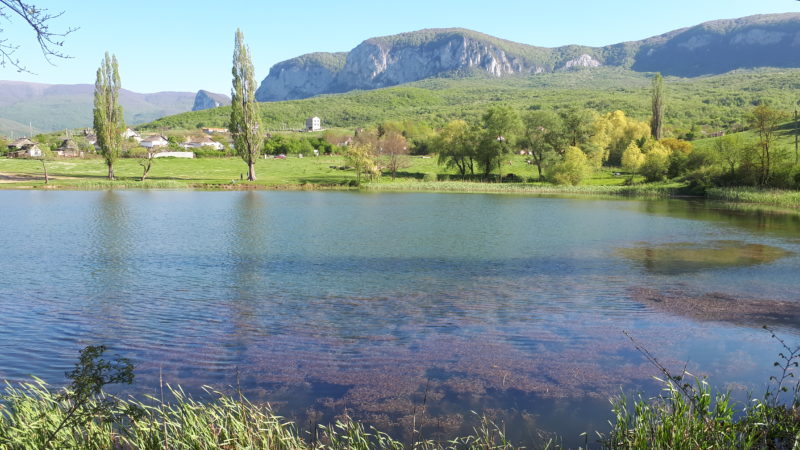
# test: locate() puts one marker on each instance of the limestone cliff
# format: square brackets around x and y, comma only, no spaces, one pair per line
[709,48]
[208,100]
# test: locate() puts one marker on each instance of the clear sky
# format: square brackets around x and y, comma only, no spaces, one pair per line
[182,45]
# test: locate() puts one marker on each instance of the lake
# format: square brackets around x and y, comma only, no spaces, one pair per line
[398,309]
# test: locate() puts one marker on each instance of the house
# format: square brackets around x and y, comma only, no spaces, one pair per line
[27,151]
[153,141]
[19,144]
[68,149]
[202,141]
[313,124]
[214,130]
[131,134]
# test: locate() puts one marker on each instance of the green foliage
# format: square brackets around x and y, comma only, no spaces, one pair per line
[690,415]
[109,121]
[361,157]
[572,169]
[709,104]
[456,147]
[245,120]
[656,162]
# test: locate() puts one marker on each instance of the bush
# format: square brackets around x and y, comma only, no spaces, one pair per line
[573,168]
[429,177]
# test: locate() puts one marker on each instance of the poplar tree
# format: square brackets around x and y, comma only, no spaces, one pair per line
[109,122]
[657,120]
[245,126]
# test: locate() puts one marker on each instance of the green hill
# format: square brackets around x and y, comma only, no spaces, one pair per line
[712,103]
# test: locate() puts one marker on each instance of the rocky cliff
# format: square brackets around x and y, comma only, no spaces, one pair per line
[208,100]
[710,48]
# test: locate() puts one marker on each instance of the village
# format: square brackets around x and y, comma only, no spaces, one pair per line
[158,145]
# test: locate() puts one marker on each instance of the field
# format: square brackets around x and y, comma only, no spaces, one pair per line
[214,172]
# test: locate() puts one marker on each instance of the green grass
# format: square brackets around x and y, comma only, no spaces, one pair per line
[316,173]
[31,412]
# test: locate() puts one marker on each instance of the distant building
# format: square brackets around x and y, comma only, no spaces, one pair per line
[68,149]
[130,133]
[214,130]
[153,141]
[313,124]
[202,141]
[31,150]
[20,143]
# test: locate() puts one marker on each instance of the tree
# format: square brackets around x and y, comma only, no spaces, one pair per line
[765,120]
[577,126]
[109,122]
[47,155]
[614,132]
[501,124]
[39,20]
[394,150]
[730,150]
[657,119]
[632,159]
[245,126]
[361,157]
[656,162]
[543,137]
[456,147]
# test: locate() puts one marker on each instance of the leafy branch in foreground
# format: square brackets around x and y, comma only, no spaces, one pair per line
[90,375]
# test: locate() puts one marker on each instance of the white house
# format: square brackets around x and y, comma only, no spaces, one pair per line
[202,141]
[313,124]
[130,133]
[27,151]
[209,130]
[153,141]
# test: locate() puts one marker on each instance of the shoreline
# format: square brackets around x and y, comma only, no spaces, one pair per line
[782,201]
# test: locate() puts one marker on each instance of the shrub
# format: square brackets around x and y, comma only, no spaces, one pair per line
[572,169]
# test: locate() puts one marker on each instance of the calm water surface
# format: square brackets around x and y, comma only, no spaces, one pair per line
[394,308]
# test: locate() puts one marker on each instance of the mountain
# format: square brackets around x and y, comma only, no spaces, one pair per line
[208,100]
[50,107]
[706,49]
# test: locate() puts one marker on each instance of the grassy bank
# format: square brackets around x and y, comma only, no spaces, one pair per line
[324,173]
[32,416]
[774,197]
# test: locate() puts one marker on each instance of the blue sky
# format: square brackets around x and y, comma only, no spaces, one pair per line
[187,45]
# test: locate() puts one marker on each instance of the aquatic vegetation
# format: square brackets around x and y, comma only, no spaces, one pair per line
[686,257]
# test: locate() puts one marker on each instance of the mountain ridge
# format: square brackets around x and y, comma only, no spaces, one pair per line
[50,107]
[709,48]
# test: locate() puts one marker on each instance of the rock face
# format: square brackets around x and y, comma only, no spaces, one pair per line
[710,48]
[301,77]
[392,60]
[724,45]
[208,100]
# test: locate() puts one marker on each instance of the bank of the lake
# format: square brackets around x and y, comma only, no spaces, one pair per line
[327,173]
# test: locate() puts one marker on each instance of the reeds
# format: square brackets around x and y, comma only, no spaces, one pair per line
[773,197]
[30,414]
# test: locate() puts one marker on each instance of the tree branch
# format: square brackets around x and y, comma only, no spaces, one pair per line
[38,19]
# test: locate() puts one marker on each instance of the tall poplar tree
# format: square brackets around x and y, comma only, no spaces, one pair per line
[657,120]
[109,122]
[245,126]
